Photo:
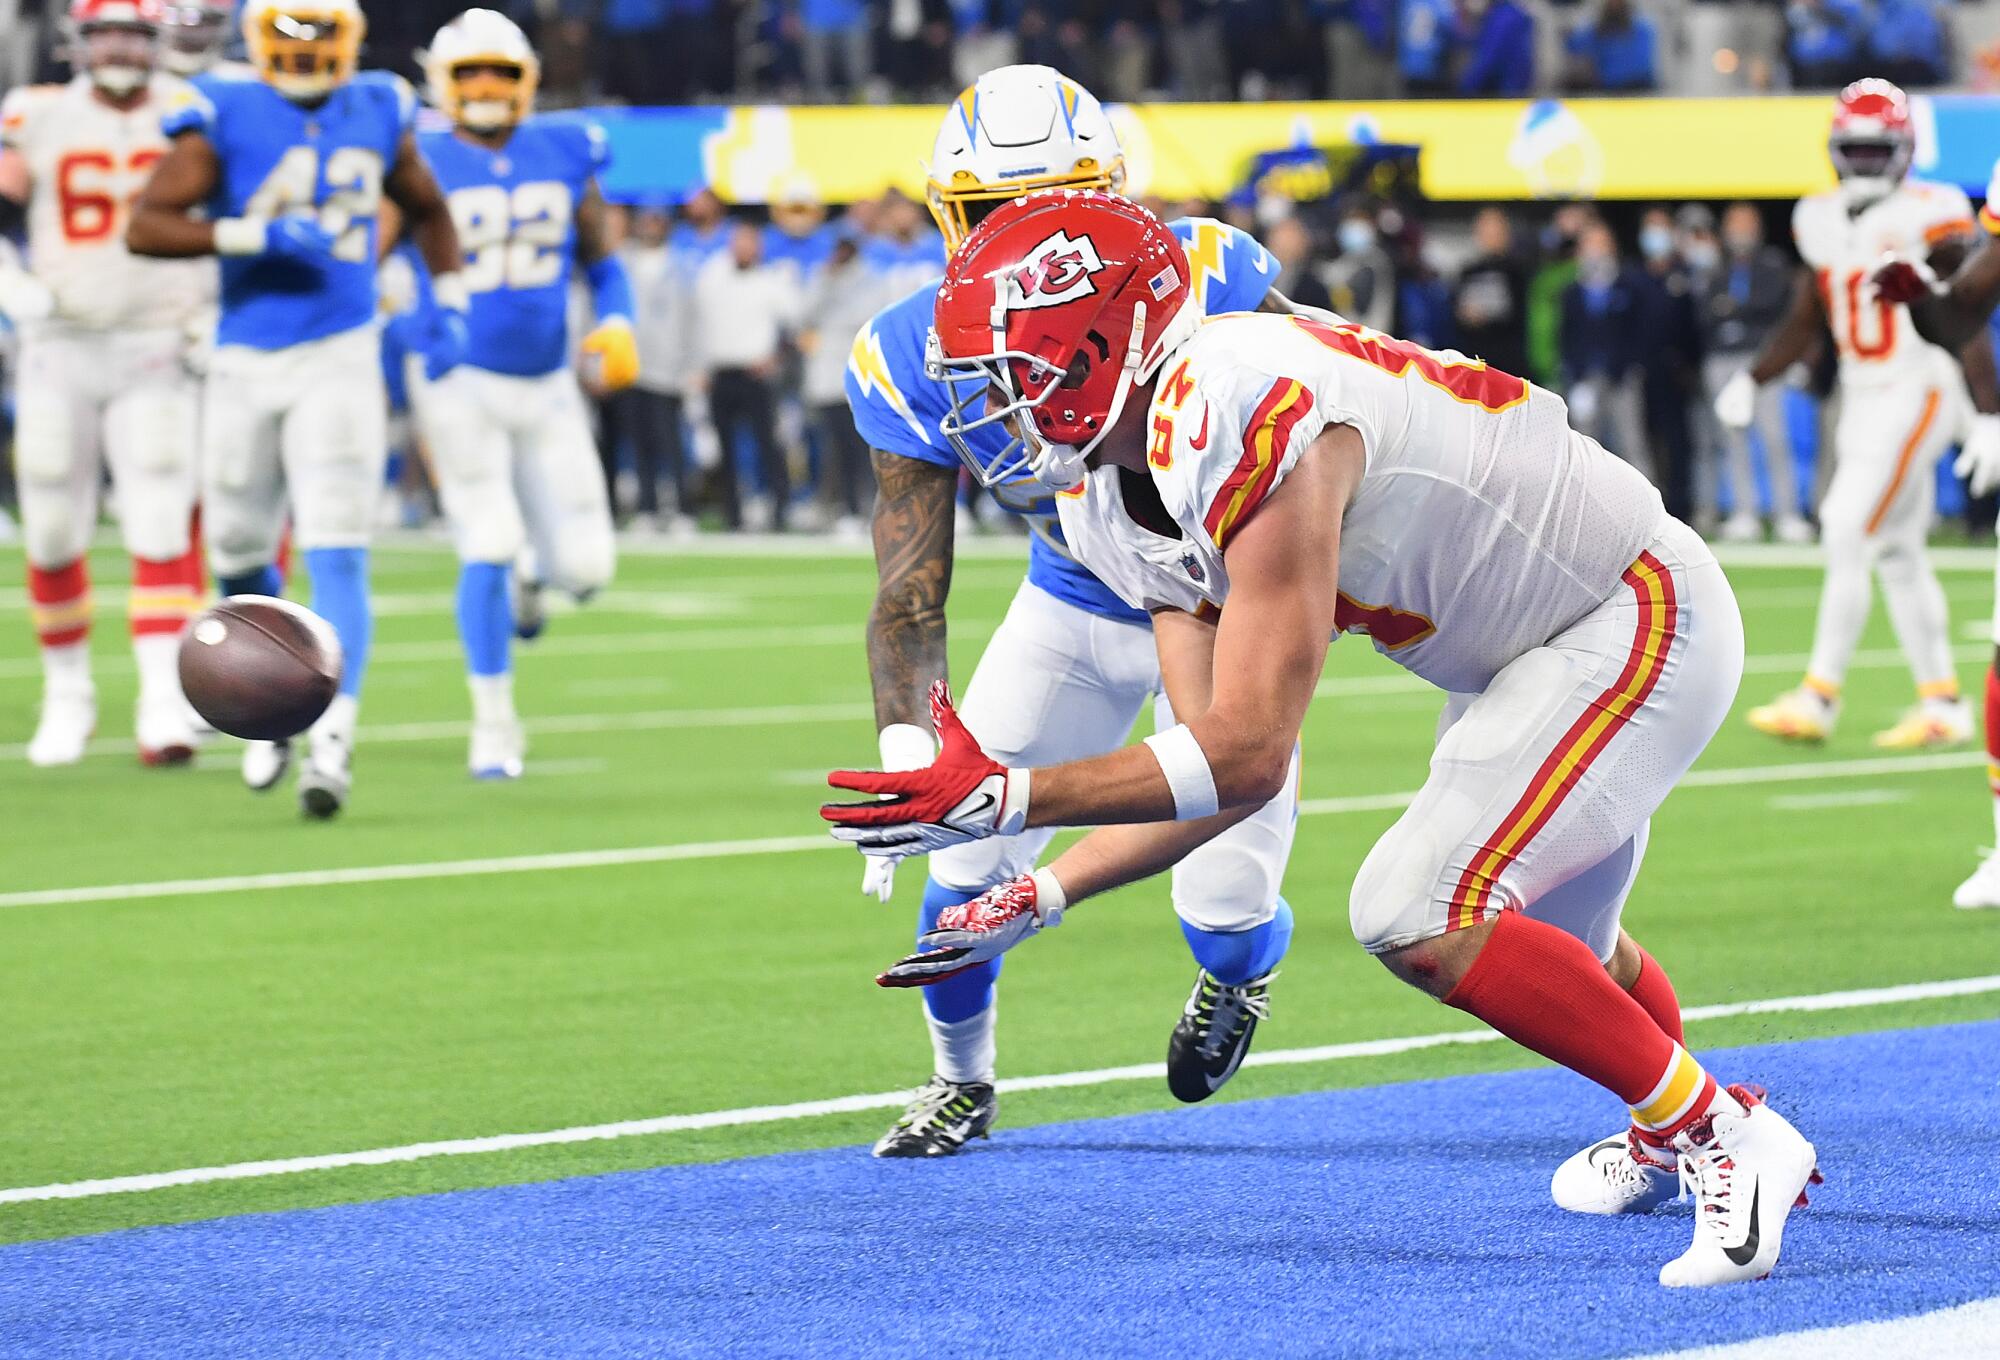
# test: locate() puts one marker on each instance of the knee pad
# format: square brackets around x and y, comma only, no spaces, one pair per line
[978,865]
[52,533]
[585,558]
[45,440]
[1227,885]
[1394,900]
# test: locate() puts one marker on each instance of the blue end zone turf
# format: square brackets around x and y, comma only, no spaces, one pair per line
[1395,1220]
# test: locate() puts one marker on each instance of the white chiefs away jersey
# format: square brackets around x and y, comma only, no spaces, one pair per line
[1878,343]
[88,162]
[1483,527]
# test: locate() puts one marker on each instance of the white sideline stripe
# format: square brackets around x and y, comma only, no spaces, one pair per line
[881,1100]
[1966,1332]
[777,845]
[1814,802]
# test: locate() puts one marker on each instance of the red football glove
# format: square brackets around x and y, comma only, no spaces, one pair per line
[963,795]
[1903,281]
[974,932]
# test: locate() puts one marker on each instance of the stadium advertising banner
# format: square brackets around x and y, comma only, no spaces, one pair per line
[1471,150]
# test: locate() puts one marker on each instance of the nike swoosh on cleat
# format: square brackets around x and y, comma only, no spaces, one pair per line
[1746,1253]
[1609,1143]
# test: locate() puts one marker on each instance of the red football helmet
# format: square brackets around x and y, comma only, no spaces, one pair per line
[1873,141]
[116,41]
[1058,304]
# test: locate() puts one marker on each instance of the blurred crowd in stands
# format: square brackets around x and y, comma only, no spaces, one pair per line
[679,51]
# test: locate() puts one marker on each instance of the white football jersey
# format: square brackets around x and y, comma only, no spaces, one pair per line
[88,161]
[1483,527]
[1878,343]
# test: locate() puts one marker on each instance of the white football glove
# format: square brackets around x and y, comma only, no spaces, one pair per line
[904,746]
[1736,403]
[1979,458]
[24,299]
[983,929]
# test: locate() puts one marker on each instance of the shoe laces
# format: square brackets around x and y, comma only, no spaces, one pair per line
[1709,1175]
[1221,1012]
[937,1102]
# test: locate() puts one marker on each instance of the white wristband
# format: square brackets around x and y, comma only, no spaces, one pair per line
[451,293]
[241,235]
[906,746]
[1050,899]
[1186,768]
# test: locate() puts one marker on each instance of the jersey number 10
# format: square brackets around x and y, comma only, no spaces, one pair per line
[512,238]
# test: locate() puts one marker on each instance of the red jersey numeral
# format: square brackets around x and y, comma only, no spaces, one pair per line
[84,199]
[1466,380]
[1846,306]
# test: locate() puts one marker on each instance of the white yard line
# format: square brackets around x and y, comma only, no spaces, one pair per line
[1966,1332]
[887,1100]
[775,845]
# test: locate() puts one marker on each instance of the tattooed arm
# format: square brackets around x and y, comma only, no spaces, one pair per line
[914,507]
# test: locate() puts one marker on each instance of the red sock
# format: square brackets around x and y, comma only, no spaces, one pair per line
[194,574]
[61,598]
[161,601]
[1993,726]
[1545,990]
[1654,990]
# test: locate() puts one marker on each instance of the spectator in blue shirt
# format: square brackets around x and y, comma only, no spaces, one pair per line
[1906,43]
[1615,53]
[834,32]
[1428,29]
[1824,41]
[1501,41]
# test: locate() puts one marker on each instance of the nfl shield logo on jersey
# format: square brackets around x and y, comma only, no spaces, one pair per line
[1192,565]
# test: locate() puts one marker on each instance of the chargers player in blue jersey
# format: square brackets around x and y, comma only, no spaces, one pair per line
[516,461]
[1071,666]
[281,172]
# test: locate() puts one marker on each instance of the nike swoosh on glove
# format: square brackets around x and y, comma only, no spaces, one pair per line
[964,795]
[978,931]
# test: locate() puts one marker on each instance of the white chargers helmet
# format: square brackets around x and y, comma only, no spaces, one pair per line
[196,33]
[1018,130]
[482,71]
[304,49]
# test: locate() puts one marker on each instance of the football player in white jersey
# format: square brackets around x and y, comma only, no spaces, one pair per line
[102,381]
[196,35]
[1071,666]
[1261,483]
[1956,315]
[1902,405]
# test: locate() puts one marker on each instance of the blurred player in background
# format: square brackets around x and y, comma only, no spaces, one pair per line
[281,173]
[1072,665]
[102,381]
[196,34]
[509,431]
[1956,316]
[1902,405]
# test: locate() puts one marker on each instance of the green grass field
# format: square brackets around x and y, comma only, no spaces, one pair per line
[698,706]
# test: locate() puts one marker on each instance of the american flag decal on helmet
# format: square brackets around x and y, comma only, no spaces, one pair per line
[1162,283]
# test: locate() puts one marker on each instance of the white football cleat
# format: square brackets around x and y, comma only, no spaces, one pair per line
[69,717]
[1747,1169]
[1620,1175]
[1931,724]
[1742,527]
[265,763]
[327,776]
[498,749]
[1801,714]
[165,729]
[1982,890]
[1794,528]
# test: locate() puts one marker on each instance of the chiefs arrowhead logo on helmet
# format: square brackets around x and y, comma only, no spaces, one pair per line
[1054,272]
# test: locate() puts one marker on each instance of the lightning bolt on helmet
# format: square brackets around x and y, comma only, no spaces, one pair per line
[1018,130]
[305,49]
[1873,140]
[1052,312]
[482,71]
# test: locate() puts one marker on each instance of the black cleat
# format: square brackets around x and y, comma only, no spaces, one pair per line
[1214,1033]
[942,1118]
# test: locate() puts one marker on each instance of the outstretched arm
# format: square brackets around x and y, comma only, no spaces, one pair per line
[1796,334]
[163,221]
[1958,314]
[915,506]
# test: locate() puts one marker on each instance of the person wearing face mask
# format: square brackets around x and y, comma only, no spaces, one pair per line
[1601,319]
[1551,279]
[1903,404]
[1669,359]
[1362,281]
[1741,287]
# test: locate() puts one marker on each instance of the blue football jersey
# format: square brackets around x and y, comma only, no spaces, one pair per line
[898,409]
[515,209]
[280,158]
